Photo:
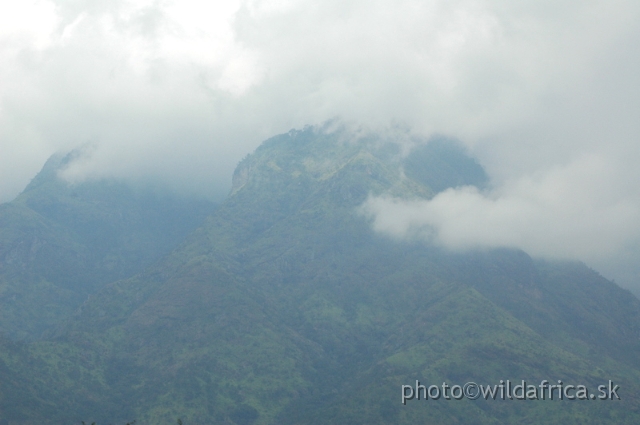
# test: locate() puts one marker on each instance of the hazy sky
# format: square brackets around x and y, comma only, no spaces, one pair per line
[546,94]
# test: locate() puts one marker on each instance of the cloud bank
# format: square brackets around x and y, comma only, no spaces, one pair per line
[545,93]
[569,212]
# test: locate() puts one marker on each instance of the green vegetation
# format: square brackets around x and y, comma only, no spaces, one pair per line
[285,308]
[60,243]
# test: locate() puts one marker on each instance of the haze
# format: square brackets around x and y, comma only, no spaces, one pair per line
[545,94]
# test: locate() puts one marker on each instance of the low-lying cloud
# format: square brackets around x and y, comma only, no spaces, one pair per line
[570,212]
[587,209]
[546,94]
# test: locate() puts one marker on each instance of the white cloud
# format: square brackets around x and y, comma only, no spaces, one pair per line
[543,92]
[27,22]
[569,212]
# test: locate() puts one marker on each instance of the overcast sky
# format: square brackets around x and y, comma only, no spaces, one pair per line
[546,94]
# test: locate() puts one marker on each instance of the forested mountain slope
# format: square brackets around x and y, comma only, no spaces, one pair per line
[284,307]
[60,242]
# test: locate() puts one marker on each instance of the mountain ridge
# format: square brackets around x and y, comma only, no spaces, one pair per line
[285,307]
[67,240]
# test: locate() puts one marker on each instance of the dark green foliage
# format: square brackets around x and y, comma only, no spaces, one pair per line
[285,308]
[441,164]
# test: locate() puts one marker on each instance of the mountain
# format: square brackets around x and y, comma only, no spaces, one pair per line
[284,307]
[60,243]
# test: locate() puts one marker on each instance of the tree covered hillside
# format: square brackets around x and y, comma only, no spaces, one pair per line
[284,307]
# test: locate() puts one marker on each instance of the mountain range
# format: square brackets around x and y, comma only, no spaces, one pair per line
[281,305]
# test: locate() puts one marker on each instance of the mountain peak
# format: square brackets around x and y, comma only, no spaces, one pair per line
[396,163]
[285,307]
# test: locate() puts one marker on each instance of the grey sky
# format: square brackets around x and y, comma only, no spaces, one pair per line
[545,93]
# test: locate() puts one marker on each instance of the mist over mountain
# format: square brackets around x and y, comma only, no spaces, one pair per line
[61,242]
[458,202]
[544,94]
[286,306]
